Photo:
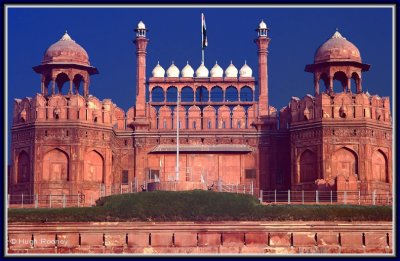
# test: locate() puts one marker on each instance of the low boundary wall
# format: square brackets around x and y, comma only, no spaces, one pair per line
[200,238]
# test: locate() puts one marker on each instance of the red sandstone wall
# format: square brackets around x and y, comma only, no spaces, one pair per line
[196,238]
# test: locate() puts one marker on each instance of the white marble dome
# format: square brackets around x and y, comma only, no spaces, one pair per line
[231,71]
[245,71]
[217,71]
[202,71]
[262,25]
[141,25]
[173,71]
[187,71]
[158,71]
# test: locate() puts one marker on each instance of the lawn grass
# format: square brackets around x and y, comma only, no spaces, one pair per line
[198,205]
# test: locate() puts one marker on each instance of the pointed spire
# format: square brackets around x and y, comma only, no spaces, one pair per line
[66,37]
[337,34]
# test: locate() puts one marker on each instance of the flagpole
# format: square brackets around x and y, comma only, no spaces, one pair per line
[177,137]
[202,55]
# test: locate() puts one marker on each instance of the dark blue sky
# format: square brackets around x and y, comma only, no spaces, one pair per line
[175,34]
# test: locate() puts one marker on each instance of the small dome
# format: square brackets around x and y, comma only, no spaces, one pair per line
[202,71]
[173,71]
[245,71]
[66,50]
[217,71]
[158,71]
[141,25]
[337,48]
[187,71]
[262,25]
[231,71]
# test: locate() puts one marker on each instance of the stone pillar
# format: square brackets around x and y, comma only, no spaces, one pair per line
[316,85]
[53,86]
[262,43]
[85,89]
[359,88]
[141,44]
[330,84]
[70,87]
[348,84]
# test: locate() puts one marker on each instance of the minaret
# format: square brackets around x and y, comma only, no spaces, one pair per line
[262,43]
[141,44]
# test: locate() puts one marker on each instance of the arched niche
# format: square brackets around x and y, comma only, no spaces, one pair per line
[345,163]
[379,167]
[308,166]
[93,167]
[56,166]
[23,168]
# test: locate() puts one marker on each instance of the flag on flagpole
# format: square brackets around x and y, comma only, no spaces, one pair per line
[204,42]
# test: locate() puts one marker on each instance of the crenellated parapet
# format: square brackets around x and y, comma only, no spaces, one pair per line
[343,107]
[70,110]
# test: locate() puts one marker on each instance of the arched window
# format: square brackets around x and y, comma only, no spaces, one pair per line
[78,84]
[339,81]
[187,94]
[157,94]
[217,94]
[60,80]
[202,94]
[246,94]
[231,94]
[172,94]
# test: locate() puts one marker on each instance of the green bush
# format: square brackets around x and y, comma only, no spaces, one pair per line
[198,205]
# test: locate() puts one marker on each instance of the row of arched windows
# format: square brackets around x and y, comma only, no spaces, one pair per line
[202,117]
[202,94]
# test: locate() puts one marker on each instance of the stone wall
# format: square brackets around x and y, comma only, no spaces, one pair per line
[201,238]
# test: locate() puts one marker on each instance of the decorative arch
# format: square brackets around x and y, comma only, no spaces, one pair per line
[165,118]
[224,117]
[246,94]
[209,117]
[345,163]
[194,118]
[379,167]
[238,117]
[78,81]
[60,80]
[23,168]
[56,165]
[342,78]
[231,94]
[153,118]
[308,166]
[157,94]
[202,94]
[93,167]
[217,94]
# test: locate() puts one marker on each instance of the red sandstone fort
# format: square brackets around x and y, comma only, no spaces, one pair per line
[66,141]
